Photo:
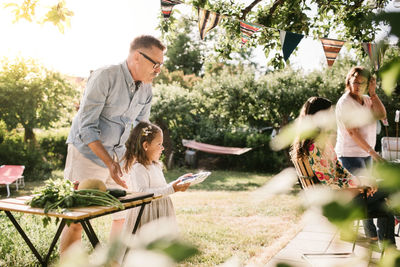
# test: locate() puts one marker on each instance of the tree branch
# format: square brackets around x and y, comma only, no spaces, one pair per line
[249,8]
[255,2]
[275,6]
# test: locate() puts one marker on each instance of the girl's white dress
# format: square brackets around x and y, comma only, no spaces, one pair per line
[150,179]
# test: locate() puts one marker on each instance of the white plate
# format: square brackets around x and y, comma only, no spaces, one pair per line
[195,178]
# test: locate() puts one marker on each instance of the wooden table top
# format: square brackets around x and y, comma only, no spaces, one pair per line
[19,205]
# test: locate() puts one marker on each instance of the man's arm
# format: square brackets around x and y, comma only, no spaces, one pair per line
[113,166]
[94,100]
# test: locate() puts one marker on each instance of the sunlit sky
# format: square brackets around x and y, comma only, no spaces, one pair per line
[100,33]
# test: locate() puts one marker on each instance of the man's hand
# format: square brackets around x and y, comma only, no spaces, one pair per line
[116,174]
[113,167]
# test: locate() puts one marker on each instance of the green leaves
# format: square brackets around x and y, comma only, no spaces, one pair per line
[58,14]
[26,10]
[59,195]
[391,18]
[390,74]
[175,249]
[32,96]
[347,20]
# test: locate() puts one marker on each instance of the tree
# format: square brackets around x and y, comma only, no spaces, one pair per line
[183,52]
[58,14]
[32,96]
[345,19]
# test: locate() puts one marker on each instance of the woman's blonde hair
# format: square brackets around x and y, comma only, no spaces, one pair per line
[143,132]
[354,73]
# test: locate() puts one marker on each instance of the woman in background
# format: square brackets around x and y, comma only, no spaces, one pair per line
[356,116]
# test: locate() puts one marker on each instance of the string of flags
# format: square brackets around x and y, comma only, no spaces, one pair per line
[289,40]
[207,21]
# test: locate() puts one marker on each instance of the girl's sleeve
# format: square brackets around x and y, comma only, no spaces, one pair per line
[140,178]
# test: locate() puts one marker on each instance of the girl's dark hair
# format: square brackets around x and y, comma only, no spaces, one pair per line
[354,73]
[310,107]
[143,132]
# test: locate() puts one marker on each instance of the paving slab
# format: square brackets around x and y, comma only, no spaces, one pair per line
[320,236]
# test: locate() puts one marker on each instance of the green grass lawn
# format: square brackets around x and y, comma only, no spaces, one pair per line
[220,217]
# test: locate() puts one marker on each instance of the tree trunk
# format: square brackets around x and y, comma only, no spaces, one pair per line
[29,135]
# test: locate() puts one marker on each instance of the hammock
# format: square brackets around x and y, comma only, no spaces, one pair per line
[214,149]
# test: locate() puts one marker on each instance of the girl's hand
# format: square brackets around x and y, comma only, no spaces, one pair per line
[180,187]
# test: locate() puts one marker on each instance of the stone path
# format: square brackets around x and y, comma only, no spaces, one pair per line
[320,236]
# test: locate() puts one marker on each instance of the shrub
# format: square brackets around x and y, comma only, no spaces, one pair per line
[13,151]
[53,144]
[260,158]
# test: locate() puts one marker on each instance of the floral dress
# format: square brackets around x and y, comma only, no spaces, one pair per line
[328,169]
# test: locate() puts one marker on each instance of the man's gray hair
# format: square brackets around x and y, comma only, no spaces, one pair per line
[146,41]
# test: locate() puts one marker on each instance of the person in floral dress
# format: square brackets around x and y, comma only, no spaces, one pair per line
[329,171]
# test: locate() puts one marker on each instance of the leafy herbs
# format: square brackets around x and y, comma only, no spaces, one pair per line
[59,195]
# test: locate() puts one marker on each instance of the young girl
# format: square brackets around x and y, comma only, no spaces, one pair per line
[143,151]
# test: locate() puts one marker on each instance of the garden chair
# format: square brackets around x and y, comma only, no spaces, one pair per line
[10,174]
[391,148]
[308,180]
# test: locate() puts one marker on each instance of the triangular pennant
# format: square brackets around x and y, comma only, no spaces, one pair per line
[247,29]
[375,53]
[207,21]
[331,48]
[289,41]
[166,7]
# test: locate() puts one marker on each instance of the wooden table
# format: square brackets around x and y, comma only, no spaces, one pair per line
[77,215]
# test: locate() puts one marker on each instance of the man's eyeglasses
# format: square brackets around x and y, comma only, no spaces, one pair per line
[156,64]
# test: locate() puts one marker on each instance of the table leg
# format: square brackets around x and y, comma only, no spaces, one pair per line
[26,238]
[55,239]
[138,218]
[87,227]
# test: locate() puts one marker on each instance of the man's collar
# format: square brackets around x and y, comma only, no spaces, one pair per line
[127,74]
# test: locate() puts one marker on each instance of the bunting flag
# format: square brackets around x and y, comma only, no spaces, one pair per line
[247,29]
[207,21]
[289,41]
[331,48]
[375,53]
[166,7]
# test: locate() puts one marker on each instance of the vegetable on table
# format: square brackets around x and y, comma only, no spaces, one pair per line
[59,195]
[92,184]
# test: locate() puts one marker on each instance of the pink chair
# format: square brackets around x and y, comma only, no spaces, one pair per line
[10,174]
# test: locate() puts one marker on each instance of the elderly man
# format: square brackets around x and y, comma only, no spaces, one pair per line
[116,98]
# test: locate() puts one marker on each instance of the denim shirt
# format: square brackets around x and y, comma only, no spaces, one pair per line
[110,107]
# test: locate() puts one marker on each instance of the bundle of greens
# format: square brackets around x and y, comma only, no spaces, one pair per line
[59,195]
